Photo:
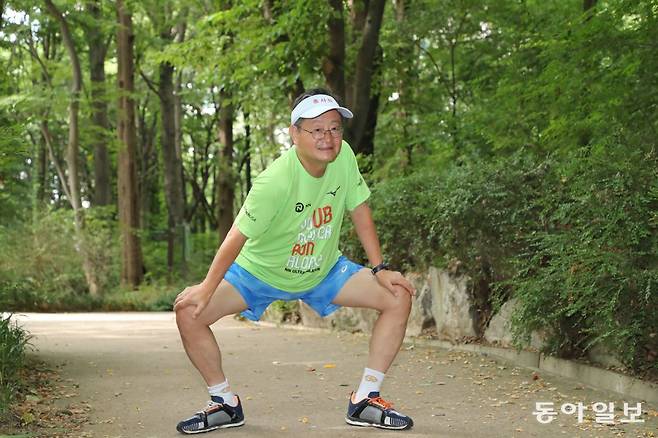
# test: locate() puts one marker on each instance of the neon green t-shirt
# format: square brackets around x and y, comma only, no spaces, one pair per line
[292,220]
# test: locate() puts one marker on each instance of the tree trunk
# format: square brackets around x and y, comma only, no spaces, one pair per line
[247,153]
[72,150]
[225,179]
[132,265]
[99,117]
[178,118]
[173,184]
[333,66]
[364,72]
[42,174]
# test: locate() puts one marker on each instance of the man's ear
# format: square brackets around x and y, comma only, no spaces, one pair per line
[293,132]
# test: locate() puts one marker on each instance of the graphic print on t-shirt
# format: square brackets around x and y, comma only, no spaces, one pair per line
[317,226]
[292,220]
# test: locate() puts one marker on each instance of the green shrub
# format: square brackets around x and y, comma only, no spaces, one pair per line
[470,218]
[590,276]
[41,268]
[575,239]
[13,343]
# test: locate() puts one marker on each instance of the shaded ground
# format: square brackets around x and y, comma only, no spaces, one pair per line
[135,381]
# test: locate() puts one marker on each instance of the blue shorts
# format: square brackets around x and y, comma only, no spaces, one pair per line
[258,295]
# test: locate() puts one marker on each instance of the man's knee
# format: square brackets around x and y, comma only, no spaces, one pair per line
[185,319]
[401,303]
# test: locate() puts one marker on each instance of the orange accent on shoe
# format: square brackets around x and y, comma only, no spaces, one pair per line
[381,403]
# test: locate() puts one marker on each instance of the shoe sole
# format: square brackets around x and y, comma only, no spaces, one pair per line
[210,429]
[355,422]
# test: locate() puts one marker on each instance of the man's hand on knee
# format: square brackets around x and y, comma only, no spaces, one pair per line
[391,279]
[197,296]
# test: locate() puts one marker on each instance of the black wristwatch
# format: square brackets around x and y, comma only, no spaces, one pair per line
[379,267]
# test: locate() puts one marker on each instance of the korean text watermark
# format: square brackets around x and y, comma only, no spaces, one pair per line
[604,413]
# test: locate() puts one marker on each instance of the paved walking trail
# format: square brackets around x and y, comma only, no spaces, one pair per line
[132,370]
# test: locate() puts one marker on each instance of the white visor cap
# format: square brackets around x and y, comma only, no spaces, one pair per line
[313,106]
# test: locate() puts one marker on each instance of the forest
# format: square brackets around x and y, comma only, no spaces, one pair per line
[511,141]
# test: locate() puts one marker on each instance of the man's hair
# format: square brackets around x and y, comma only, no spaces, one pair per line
[309,93]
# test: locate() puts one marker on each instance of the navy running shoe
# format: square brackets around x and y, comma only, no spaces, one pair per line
[217,415]
[374,411]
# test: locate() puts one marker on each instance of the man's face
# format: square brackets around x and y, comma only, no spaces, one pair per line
[313,152]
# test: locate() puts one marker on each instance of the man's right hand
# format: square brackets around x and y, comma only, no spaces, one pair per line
[197,296]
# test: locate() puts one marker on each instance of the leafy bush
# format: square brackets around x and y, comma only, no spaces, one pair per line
[39,263]
[13,343]
[575,239]
[41,268]
[471,218]
[590,275]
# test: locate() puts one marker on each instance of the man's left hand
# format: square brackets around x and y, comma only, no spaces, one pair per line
[390,279]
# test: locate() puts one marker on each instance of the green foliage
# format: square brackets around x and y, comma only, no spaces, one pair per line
[590,275]
[38,264]
[14,183]
[515,143]
[13,345]
[575,241]
[41,268]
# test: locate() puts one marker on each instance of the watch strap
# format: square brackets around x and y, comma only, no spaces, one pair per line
[379,267]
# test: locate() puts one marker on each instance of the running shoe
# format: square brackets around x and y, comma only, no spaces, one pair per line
[217,415]
[374,411]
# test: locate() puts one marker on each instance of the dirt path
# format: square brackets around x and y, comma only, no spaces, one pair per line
[132,371]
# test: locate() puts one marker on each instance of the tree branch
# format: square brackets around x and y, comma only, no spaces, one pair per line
[149,83]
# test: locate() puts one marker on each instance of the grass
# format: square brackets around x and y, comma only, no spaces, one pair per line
[14,342]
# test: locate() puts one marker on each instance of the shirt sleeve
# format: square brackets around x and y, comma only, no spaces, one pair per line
[358,190]
[258,210]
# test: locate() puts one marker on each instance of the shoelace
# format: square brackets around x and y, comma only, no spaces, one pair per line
[381,402]
[212,404]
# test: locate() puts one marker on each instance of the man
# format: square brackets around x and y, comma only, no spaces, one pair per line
[284,245]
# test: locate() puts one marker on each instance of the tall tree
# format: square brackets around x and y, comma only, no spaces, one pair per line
[225,174]
[333,65]
[72,149]
[364,102]
[356,89]
[171,155]
[132,264]
[99,117]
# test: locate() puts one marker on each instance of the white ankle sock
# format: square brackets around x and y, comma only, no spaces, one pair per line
[223,390]
[371,381]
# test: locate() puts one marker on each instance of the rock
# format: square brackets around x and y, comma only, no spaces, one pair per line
[602,355]
[354,319]
[451,306]
[421,311]
[348,319]
[311,319]
[499,331]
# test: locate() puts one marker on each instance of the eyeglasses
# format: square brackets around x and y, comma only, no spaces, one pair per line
[318,133]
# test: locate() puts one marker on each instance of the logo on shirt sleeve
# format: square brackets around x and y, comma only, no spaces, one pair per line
[249,215]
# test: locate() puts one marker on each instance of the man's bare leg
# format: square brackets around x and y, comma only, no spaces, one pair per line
[366,408]
[199,341]
[363,290]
